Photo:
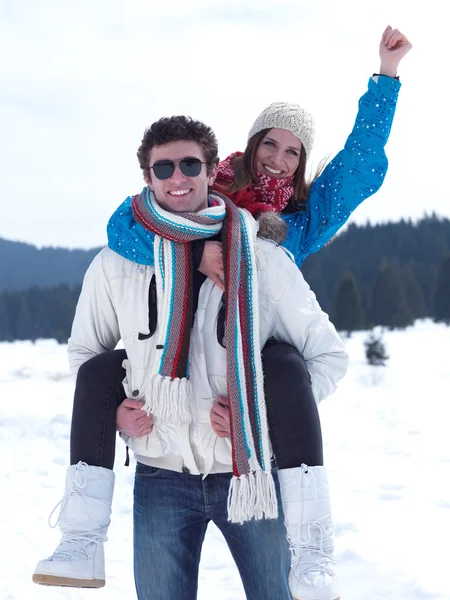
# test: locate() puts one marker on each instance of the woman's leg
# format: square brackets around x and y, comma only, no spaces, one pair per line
[296,438]
[292,412]
[98,393]
[79,559]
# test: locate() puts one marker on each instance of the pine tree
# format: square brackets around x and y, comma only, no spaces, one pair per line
[414,293]
[64,310]
[375,350]
[5,330]
[10,299]
[426,275]
[442,294]
[389,307]
[348,312]
[317,284]
[24,325]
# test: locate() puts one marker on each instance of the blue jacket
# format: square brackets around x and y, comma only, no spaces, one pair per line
[353,175]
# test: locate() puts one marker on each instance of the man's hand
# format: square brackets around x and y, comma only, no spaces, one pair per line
[212,263]
[393,47]
[220,418]
[132,420]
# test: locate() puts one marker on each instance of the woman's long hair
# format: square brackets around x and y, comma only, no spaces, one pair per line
[245,173]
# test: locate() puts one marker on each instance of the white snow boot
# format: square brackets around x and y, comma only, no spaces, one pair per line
[307,515]
[79,559]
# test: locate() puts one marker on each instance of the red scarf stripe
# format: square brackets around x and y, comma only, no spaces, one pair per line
[184,340]
[233,446]
[227,239]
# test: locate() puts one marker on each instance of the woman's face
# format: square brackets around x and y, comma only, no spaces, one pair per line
[278,154]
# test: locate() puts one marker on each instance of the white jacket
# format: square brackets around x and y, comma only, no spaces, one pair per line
[113,305]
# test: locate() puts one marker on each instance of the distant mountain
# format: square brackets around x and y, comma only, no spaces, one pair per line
[23,265]
[393,269]
[362,250]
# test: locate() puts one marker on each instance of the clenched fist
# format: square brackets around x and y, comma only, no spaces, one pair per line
[393,47]
[132,420]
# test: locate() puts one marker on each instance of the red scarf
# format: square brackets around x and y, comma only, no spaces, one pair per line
[268,194]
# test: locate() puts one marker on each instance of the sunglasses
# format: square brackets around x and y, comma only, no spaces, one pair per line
[190,167]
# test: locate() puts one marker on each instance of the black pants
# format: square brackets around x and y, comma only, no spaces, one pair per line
[293,417]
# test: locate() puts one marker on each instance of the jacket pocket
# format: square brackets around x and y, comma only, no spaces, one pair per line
[151,445]
[146,470]
[222,451]
[152,311]
[134,381]
[220,328]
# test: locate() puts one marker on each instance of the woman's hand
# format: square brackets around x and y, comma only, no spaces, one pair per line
[393,47]
[212,263]
[132,420]
[220,418]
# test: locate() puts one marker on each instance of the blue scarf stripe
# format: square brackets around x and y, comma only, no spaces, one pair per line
[172,295]
[218,217]
[237,371]
[249,276]
[161,266]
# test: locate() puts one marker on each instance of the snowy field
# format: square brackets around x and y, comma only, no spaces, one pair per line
[386,435]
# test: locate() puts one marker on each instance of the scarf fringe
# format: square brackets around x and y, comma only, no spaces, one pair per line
[252,496]
[170,400]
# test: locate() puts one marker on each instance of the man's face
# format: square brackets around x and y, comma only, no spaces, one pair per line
[181,193]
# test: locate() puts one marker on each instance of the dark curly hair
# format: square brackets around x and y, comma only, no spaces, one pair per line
[175,129]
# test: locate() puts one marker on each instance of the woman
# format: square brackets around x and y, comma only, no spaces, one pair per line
[268,176]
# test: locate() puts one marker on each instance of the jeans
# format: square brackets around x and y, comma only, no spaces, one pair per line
[294,424]
[171,513]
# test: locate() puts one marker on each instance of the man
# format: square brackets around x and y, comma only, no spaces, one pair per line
[203,346]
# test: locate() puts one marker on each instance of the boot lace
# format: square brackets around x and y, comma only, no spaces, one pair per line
[76,487]
[312,547]
[76,544]
[313,554]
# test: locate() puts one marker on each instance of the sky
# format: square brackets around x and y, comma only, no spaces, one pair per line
[387,456]
[80,82]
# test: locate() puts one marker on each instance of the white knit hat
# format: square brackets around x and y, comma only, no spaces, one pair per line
[291,117]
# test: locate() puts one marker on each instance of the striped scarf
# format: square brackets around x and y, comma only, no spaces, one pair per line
[252,491]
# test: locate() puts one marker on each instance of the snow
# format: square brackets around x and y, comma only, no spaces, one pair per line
[386,447]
